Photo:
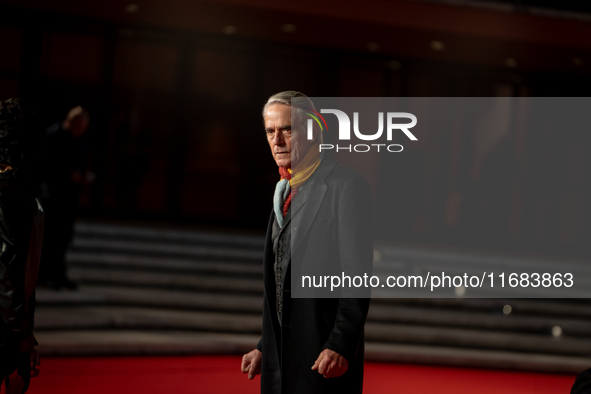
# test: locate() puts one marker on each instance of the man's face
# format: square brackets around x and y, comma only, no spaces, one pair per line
[288,145]
[76,126]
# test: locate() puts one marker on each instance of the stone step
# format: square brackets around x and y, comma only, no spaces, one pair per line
[149,247]
[117,317]
[476,319]
[165,280]
[473,338]
[475,358]
[576,308]
[120,317]
[380,313]
[167,235]
[167,263]
[134,342]
[94,295]
[387,256]
[242,278]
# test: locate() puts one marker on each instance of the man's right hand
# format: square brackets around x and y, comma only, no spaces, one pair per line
[251,363]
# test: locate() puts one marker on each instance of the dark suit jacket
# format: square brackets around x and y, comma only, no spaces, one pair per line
[21,232]
[332,224]
[582,384]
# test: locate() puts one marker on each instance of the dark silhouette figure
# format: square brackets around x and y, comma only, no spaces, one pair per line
[64,178]
[21,234]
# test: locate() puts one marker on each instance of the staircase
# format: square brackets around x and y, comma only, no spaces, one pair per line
[169,291]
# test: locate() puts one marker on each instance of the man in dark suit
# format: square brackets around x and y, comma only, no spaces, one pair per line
[21,236]
[62,185]
[322,223]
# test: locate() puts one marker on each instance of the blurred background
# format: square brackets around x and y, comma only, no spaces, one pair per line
[169,239]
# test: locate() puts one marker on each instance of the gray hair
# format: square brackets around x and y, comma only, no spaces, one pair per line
[293,99]
[78,112]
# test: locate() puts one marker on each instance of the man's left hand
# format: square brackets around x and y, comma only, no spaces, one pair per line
[330,364]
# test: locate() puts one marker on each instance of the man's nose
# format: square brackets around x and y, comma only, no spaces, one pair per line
[278,138]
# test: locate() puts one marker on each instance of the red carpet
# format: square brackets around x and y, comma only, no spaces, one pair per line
[221,374]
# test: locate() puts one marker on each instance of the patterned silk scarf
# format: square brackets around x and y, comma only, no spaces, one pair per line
[288,186]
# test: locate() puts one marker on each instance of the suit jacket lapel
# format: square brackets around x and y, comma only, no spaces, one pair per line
[297,204]
[269,274]
[310,202]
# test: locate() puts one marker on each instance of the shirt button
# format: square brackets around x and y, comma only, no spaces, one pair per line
[278,276]
[279,259]
[280,242]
